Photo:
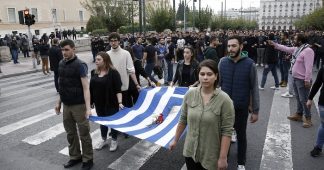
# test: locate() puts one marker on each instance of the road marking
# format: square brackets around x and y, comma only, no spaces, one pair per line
[45,135]
[136,156]
[23,108]
[184,167]
[20,85]
[95,136]
[25,122]
[277,152]
[49,92]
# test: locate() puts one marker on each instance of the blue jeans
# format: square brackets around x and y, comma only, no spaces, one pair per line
[14,55]
[149,69]
[167,70]
[301,96]
[273,69]
[320,133]
[284,66]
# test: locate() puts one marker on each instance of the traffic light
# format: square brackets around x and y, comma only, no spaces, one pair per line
[29,18]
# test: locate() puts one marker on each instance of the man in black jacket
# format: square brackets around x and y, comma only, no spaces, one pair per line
[55,56]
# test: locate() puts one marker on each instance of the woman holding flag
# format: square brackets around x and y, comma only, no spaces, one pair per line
[209,114]
[106,96]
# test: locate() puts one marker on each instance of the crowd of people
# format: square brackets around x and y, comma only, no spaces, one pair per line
[226,63]
[221,65]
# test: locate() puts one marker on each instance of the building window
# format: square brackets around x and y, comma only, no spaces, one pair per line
[81,15]
[12,15]
[35,13]
[54,15]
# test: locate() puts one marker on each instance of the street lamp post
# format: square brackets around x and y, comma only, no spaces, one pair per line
[184,14]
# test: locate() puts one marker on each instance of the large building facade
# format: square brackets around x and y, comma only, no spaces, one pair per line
[281,14]
[49,15]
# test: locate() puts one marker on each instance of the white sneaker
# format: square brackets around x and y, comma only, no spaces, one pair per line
[287,95]
[101,144]
[240,167]
[262,65]
[234,137]
[274,88]
[113,146]
[261,88]
[257,65]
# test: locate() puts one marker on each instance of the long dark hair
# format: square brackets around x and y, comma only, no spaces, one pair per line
[211,64]
[107,61]
[193,58]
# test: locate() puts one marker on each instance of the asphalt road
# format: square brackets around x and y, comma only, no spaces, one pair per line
[25,112]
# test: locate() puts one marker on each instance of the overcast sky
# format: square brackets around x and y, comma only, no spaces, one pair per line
[216,4]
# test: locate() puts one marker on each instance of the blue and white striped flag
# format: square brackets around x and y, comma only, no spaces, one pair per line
[138,120]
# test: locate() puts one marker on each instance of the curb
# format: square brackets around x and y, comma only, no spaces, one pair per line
[19,74]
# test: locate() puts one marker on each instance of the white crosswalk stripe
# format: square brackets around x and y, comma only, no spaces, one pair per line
[136,156]
[25,122]
[45,135]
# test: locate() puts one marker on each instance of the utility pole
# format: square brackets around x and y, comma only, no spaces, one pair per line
[174,16]
[144,18]
[140,16]
[241,9]
[194,16]
[225,10]
[199,8]
[133,17]
[184,15]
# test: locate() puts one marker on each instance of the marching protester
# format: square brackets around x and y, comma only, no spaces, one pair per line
[320,134]
[208,113]
[55,56]
[122,61]
[75,96]
[186,72]
[43,52]
[301,68]
[150,60]
[238,78]
[210,52]
[106,95]
[270,60]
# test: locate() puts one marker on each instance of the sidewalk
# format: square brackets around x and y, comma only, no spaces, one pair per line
[25,66]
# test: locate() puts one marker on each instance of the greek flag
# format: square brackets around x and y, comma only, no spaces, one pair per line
[139,121]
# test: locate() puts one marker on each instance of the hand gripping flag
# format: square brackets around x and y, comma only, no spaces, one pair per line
[141,120]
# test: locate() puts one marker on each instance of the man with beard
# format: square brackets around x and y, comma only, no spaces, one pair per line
[301,69]
[123,62]
[238,78]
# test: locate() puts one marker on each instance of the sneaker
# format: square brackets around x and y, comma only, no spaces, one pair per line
[316,152]
[87,165]
[274,88]
[261,88]
[101,144]
[307,122]
[240,167]
[262,65]
[287,95]
[284,84]
[113,146]
[295,117]
[257,65]
[234,137]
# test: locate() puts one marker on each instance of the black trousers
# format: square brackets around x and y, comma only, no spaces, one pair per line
[241,116]
[192,165]
[56,76]
[102,112]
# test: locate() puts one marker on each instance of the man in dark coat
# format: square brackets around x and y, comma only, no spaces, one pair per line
[55,56]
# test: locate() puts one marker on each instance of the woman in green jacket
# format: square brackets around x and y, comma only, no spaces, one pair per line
[209,114]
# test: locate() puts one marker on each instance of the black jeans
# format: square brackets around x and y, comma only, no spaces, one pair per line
[241,116]
[192,165]
[101,111]
[56,76]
